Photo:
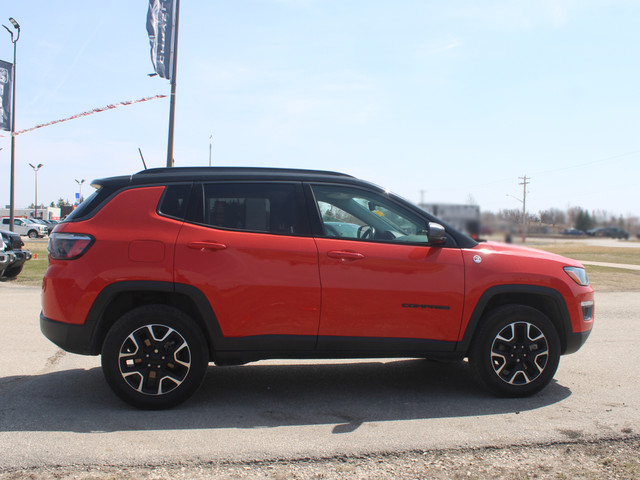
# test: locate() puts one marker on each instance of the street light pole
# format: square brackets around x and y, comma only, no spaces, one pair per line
[35,204]
[12,181]
[79,182]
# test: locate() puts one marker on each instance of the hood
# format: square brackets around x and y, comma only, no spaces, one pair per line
[520,251]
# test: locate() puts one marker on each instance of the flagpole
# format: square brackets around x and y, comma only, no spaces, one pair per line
[172,103]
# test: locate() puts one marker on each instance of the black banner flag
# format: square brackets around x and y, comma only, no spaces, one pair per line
[160,22]
[6,80]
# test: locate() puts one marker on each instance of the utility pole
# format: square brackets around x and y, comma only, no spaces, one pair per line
[210,145]
[525,181]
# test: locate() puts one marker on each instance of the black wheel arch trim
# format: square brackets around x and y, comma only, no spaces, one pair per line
[97,322]
[559,316]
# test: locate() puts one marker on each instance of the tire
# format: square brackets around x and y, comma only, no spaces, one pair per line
[32,234]
[12,271]
[516,351]
[154,357]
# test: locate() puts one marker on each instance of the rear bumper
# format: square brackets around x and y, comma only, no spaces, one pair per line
[71,338]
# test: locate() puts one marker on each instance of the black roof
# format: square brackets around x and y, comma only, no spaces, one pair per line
[187,174]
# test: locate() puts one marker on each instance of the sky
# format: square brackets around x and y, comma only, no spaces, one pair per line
[441,102]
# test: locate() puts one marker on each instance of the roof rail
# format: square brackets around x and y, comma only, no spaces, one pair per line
[241,170]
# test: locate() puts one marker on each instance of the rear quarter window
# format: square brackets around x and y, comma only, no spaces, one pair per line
[90,205]
[174,201]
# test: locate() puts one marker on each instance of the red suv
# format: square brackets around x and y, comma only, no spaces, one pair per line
[169,269]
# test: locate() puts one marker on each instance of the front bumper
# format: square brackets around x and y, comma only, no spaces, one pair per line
[6,260]
[575,341]
[21,256]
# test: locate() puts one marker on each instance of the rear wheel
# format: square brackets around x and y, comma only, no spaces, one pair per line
[154,357]
[516,351]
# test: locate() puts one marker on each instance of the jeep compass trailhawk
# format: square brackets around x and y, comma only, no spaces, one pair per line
[167,270]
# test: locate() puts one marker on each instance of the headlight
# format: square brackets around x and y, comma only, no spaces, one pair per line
[578,275]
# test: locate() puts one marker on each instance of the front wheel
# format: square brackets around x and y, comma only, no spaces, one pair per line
[154,357]
[32,234]
[516,351]
[12,271]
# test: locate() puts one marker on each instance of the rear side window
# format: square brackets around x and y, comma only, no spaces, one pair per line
[255,207]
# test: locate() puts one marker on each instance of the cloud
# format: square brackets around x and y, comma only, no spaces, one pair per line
[443,46]
[297,3]
[526,14]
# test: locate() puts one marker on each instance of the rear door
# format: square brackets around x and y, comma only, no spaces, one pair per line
[247,247]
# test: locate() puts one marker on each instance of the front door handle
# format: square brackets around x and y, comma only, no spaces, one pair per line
[345,255]
[207,245]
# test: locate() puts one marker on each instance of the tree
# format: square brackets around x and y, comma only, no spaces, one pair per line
[62,203]
[553,217]
[583,221]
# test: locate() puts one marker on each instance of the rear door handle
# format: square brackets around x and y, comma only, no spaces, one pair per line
[207,246]
[345,255]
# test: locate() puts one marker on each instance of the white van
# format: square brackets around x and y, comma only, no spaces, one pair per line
[24,226]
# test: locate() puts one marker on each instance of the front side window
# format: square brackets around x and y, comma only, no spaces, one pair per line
[255,207]
[356,214]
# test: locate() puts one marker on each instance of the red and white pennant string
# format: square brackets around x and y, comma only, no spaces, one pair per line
[90,112]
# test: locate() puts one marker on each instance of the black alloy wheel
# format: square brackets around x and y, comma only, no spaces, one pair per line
[154,359]
[519,353]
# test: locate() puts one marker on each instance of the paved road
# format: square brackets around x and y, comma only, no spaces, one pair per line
[56,409]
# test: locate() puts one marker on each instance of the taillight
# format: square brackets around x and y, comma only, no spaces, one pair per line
[68,246]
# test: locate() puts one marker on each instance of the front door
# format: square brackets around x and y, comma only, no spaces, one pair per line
[380,279]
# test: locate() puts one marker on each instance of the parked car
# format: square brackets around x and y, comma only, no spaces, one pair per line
[573,231]
[611,232]
[166,270]
[12,256]
[24,226]
[50,224]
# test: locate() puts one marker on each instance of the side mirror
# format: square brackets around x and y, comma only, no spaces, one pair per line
[436,234]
